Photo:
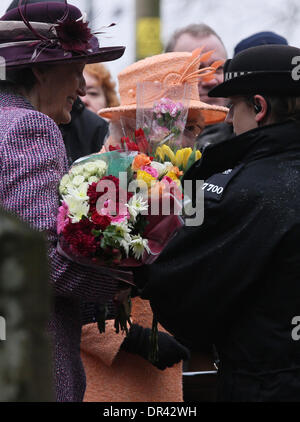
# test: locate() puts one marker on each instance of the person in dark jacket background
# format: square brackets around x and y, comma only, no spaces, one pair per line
[187,39]
[259,38]
[85,134]
[234,280]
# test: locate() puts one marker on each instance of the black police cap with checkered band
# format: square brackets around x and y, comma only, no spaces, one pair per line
[265,69]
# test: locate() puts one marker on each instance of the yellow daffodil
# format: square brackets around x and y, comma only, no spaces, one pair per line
[186,155]
[169,153]
[198,155]
[183,158]
[159,153]
[179,157]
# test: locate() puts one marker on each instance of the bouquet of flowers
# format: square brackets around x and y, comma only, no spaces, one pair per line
[104,221]
[98,219]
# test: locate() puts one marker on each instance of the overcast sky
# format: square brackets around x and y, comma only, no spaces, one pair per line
[233,20]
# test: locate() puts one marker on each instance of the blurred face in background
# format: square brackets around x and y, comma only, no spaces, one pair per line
[187,42]
[95,98]
[125,125]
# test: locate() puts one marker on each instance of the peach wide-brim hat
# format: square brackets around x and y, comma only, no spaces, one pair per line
[168,70]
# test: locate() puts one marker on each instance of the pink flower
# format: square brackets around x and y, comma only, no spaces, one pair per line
[62,217]
[150,170]
[120,218]
[111,207]
[165,105]
[167,179]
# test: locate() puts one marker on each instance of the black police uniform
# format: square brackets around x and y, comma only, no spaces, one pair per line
[213,134]
[234,281]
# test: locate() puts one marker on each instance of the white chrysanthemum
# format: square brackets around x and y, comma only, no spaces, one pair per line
[79,193]
[90,168]
[122,230]
[138,246]
[101,168]
[77,208]
[93,179]
[101,164]
[76,171]
[125,244]
[64,183]
[137,205]
[78,180]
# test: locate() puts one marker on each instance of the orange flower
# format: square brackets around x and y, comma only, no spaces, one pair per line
[139,161]
[176,171]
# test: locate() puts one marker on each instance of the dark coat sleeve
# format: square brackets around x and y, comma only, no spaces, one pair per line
[200,284]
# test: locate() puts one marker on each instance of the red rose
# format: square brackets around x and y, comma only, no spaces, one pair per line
[93,194]
[117,148]
[131,146]
[125,140]
[113,179]
[141,141]
[101,221]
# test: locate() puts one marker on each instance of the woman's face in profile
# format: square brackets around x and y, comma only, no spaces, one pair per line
[57,88]
[95,98]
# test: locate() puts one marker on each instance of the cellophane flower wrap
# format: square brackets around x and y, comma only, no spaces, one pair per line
[104,220]
[162,112]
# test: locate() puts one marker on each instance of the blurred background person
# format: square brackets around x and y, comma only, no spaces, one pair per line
[260,38]
[160,68]
[187,39]
[100,88]
[201,35]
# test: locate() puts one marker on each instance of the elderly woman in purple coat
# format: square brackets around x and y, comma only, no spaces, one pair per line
[45,47]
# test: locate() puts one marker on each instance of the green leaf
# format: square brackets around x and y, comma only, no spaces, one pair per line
[96,233]
[191,160]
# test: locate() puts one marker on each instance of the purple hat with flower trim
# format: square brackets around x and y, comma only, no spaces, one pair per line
[50,32]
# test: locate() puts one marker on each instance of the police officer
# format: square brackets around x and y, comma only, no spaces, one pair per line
[234,281]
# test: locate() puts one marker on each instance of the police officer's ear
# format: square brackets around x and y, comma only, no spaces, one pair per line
[261,109]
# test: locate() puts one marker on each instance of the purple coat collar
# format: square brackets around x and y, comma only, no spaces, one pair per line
[15,101]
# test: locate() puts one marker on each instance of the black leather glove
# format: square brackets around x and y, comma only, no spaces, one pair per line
[169,350]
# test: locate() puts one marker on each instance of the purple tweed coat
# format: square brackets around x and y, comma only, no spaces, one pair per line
[33,160]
